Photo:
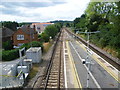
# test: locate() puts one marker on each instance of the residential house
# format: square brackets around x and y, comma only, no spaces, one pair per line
[40,27]
[25,34]
[6,34]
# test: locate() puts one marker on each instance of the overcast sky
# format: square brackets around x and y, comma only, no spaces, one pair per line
[41,10]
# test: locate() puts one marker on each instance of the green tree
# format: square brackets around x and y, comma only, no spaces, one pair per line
[103,17]
[11,25]
[51,30]
[44,37]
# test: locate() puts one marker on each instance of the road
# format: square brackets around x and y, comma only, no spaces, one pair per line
[100,76]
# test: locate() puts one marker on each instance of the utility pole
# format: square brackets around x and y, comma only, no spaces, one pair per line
[88,61]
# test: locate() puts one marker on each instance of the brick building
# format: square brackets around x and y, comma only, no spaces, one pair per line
[6,34]
[25,34]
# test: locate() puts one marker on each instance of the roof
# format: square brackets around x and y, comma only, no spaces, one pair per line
[6,32]
[27,29]
[40,23]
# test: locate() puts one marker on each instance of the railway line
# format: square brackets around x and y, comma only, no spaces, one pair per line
[54,77]
[113,61]
[57,73]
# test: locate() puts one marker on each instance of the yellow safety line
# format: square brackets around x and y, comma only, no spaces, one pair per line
[11,76]
[77,84]
[7,76]
[102,65]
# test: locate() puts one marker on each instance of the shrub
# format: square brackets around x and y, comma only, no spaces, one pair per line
[7,45]
[26,45]
[10,55]
[36,44]
[44,37]
[32,44]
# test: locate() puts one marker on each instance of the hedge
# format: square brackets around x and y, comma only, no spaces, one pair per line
[10,54]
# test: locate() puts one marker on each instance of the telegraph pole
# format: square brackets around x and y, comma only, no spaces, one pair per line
[88,61]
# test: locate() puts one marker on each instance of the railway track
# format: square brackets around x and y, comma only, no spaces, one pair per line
[113,61]
[54,77]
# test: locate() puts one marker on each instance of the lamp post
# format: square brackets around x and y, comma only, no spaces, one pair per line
[88,61]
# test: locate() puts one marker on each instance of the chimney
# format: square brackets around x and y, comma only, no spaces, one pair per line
[34,27]
[28,27]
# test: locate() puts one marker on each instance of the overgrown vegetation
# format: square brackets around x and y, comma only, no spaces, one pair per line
[103,17]
[46,46]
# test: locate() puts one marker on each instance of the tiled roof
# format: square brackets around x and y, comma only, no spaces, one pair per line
[28,30]
[40,23]
[6,32]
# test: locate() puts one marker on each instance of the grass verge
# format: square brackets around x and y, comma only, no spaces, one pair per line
[33,71]
[46,46]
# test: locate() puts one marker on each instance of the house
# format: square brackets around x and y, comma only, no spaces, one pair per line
[40,27]
[6,34]
[25,34]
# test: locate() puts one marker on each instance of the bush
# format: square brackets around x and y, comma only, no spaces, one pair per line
[44,37]
[32,44]
[36,44]
[10,55]
[26,45]
[7,45]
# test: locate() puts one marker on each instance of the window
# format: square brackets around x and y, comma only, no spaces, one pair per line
[38,28]
[20,37]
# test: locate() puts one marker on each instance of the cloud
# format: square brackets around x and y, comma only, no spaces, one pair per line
[30,4]
[13,7]
[45,10]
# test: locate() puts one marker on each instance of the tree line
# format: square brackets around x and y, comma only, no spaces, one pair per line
[103,17]
[12,24]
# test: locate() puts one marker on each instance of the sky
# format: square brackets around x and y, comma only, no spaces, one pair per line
[41,10]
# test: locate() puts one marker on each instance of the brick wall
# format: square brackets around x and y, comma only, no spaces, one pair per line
[26,38]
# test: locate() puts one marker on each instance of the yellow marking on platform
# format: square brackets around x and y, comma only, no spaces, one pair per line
[11,76]
[7,76]
[116,77]
[76,78]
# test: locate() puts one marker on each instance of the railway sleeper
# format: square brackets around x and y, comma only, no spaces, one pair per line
[54,72]
[51,87]
[52,84]
[54,69]
[53,78]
